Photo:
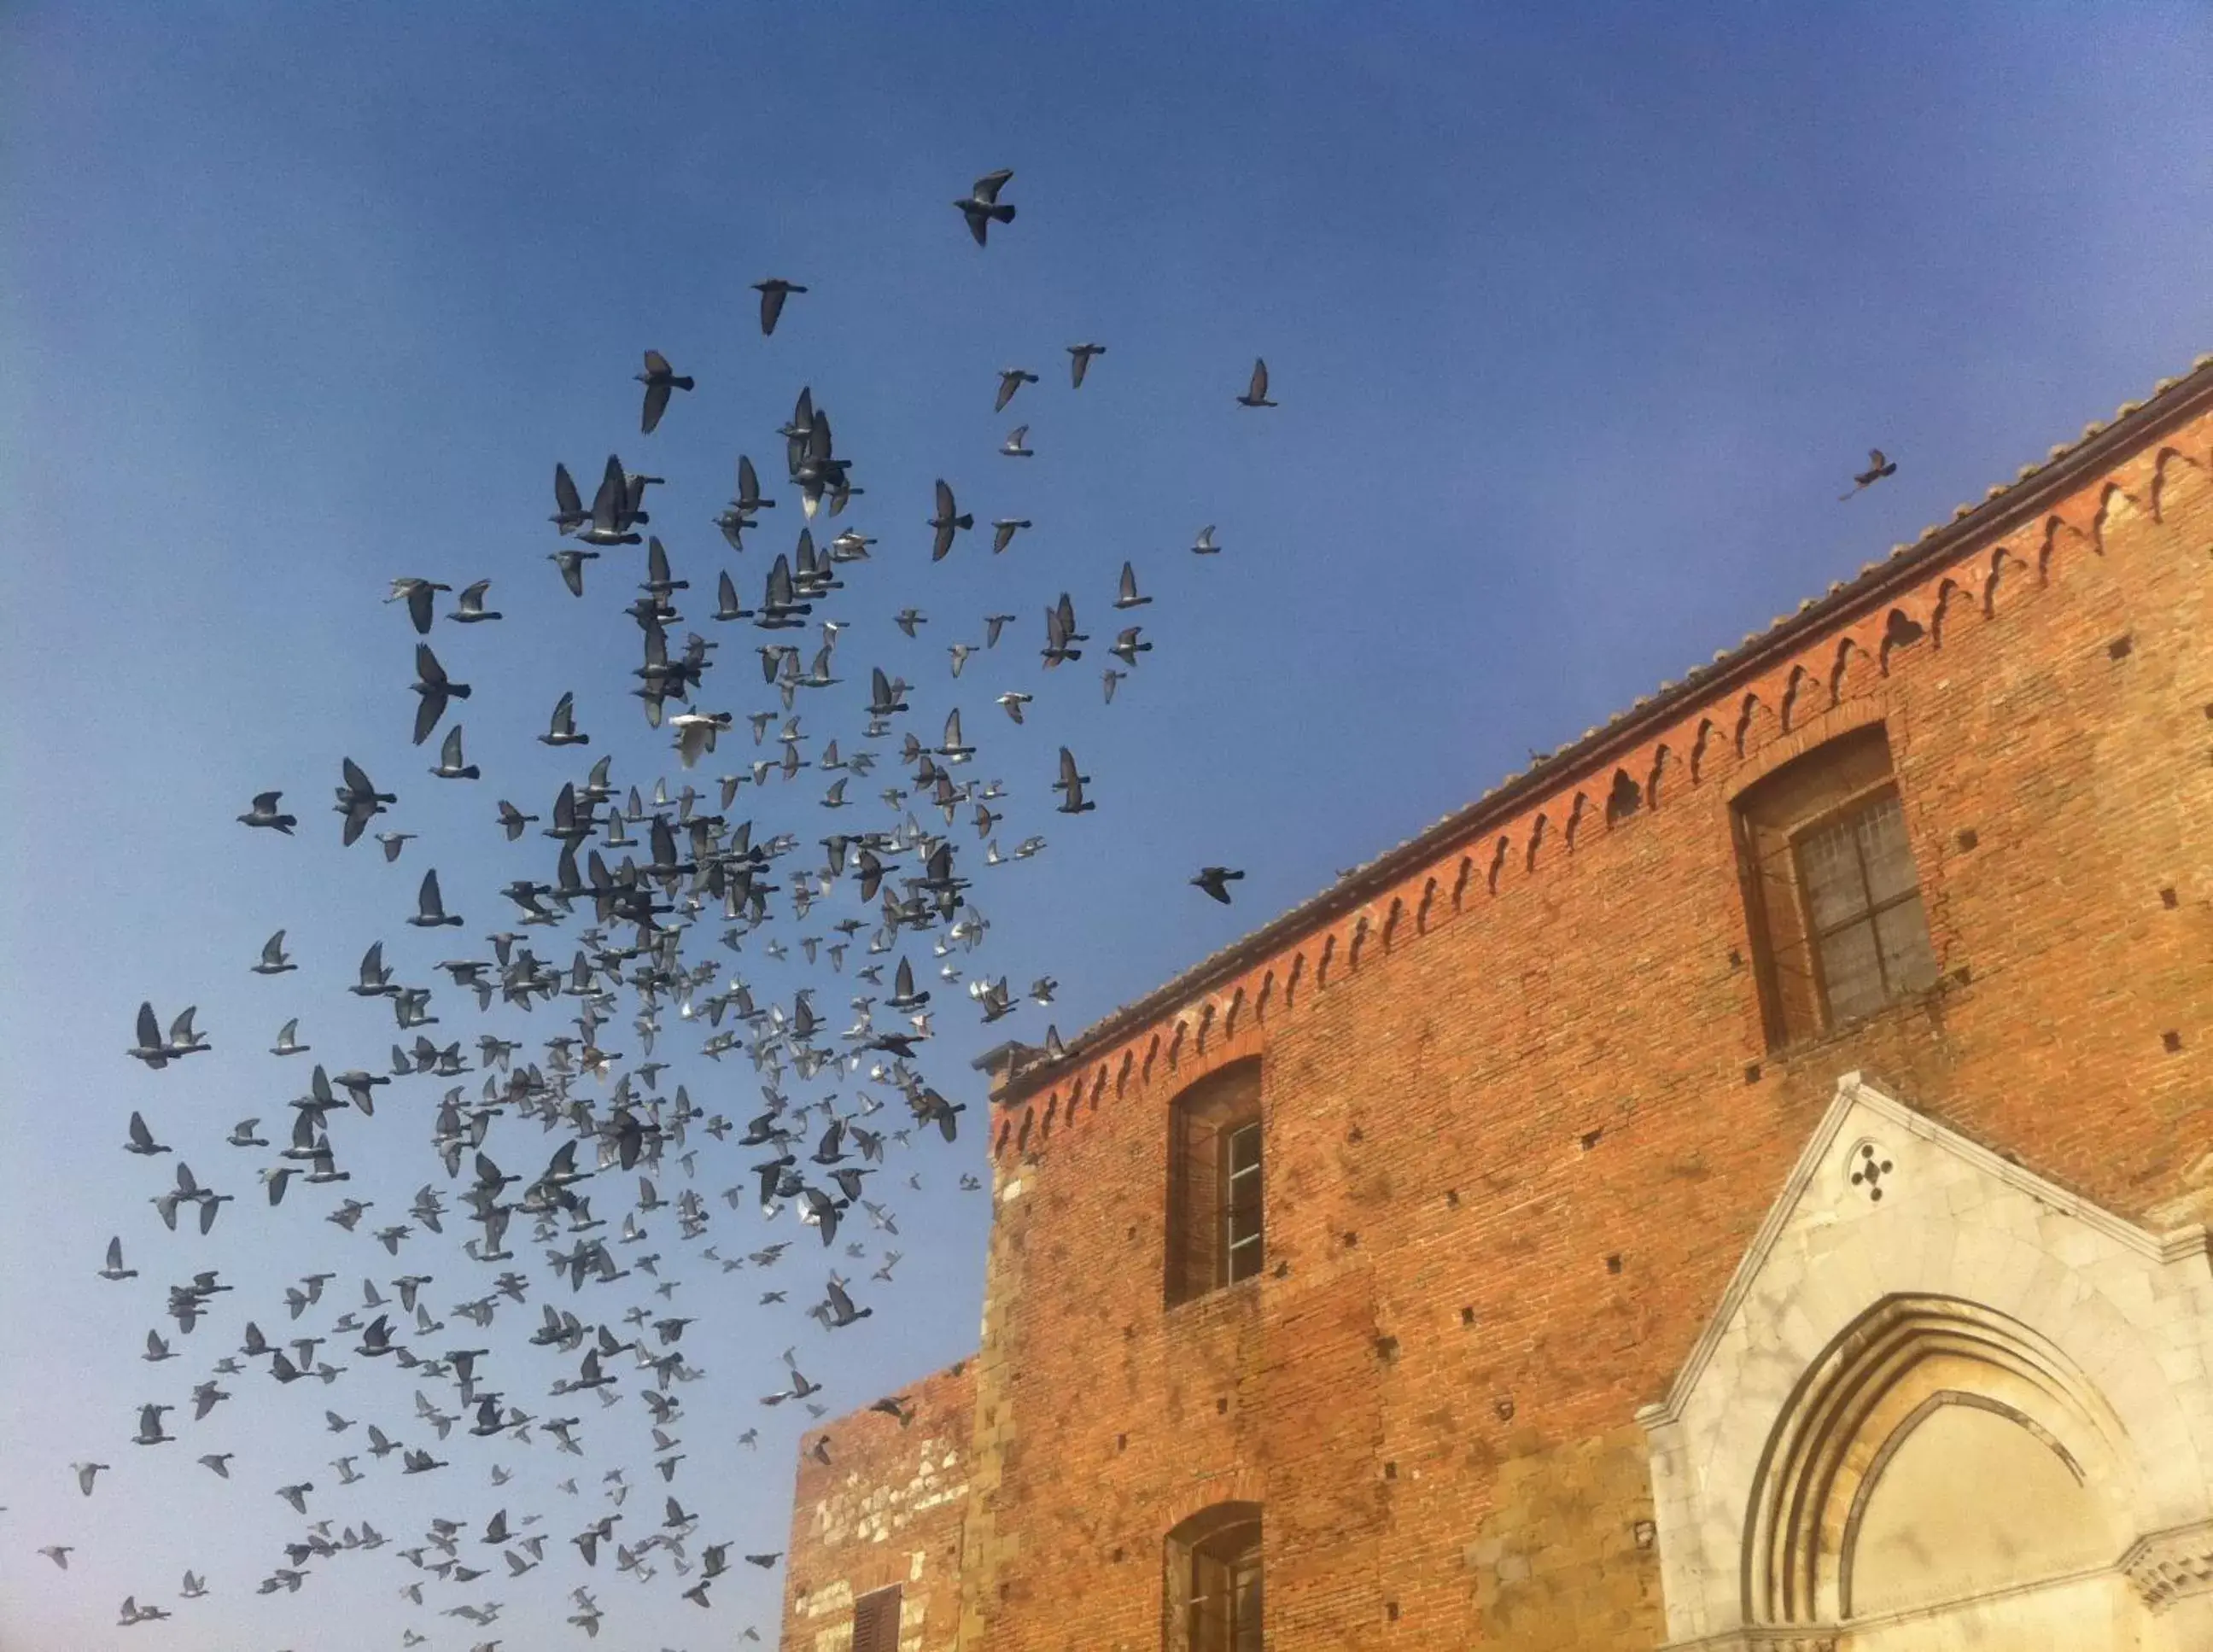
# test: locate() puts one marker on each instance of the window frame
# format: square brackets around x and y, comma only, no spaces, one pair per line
[875,1600]
[1216,1233]
[1217,1555]
[1771,818]
[1854,807]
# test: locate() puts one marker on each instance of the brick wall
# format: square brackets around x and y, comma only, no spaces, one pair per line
[888,1508]
[1522,1121]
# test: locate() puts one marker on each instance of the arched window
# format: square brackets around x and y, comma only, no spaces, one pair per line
[1212,1586]
[1215,1233]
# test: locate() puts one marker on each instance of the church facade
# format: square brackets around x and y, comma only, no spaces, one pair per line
[1742,1184]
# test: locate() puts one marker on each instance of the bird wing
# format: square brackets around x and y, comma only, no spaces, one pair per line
[657,364]
[1259,390]
[566,499]
[427,901]
[656,403]
[989,186]
[427,667]
[450,754]
[149,1028]
[613,498]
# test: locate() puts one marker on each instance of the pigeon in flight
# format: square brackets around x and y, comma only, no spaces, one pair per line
[659,379]
[274,960]
[1878,467]
[773,292]
[1216,881]
[981,206]
[451,765]
[431,911]
[1070,785]
[1016,445]
[1079,363]
[1126,596]
[417,594]
[563,730]
[470,609]
[1011,378]
[264,813]
[436,689]
[1256,394]
[946,521]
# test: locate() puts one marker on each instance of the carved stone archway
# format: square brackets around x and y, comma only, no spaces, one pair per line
[1943,1404]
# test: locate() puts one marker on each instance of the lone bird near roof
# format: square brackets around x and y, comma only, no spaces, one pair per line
[981,206]
[1878,467]
[1216,880]
[1256,394]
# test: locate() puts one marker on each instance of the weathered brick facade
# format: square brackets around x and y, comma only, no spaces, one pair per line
[887,1508]
[1523,1120]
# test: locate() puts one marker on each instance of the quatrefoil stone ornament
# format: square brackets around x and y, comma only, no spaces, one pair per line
[1868,1170]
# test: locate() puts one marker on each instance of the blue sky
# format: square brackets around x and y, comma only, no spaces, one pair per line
[1580,318]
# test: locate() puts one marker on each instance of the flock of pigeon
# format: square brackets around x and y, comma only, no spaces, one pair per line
[667,894]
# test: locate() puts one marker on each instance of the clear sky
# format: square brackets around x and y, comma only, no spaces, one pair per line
[1580,317]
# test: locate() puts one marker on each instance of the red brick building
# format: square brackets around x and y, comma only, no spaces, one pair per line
[1740,1184]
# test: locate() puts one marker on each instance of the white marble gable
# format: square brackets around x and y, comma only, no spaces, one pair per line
[1886,1206]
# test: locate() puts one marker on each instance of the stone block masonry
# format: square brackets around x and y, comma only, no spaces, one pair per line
[888,1508]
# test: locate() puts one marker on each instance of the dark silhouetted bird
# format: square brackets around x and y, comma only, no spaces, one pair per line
[1878,467]
[1216,880]
[981,206]
[773,292]
[659,379]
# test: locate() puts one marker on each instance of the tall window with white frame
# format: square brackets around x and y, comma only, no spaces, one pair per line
[1216,1228]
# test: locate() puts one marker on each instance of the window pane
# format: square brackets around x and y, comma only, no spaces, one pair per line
[1209,1604]
[1245,1635]
[1244,1150]
[1829,865]
[1886,854]
[1909,962]
[1850,973]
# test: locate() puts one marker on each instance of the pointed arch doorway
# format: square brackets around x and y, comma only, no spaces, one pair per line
[1943,1477]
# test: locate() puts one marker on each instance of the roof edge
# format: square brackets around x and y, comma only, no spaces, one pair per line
[2173,402]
